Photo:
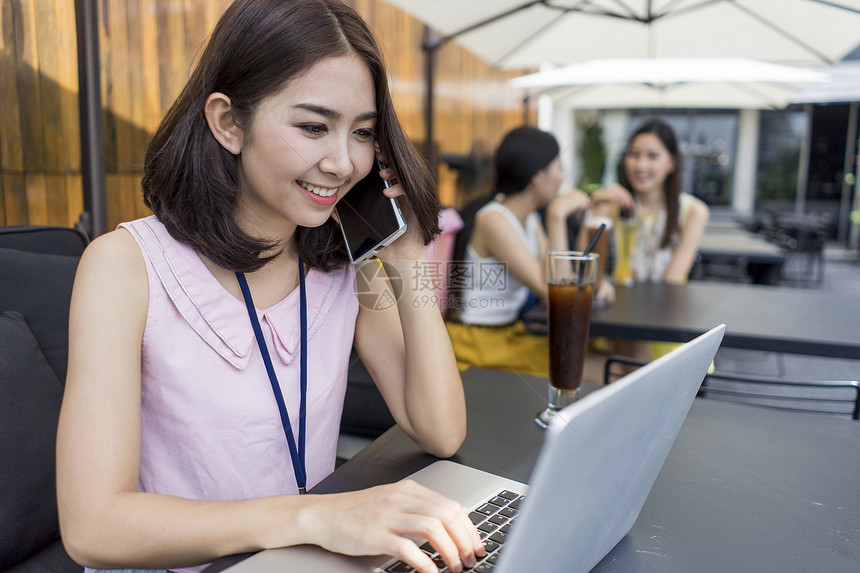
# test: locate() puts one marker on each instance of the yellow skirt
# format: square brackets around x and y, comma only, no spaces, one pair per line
[659,349]
[511,348]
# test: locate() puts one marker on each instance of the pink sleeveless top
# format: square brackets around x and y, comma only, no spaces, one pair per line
[211,428]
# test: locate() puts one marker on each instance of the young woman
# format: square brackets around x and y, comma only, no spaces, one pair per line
[210,341]
[671,223]
[502,253]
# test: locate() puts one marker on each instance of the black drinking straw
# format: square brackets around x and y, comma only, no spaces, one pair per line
[594,239]
[588,249]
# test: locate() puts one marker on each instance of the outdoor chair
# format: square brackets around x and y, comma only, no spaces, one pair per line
[733,271]
[37,270]
[835,397]
[802,238]
[49,240]
[805,250]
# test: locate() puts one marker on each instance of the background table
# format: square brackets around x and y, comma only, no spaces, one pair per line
[757,317]
[743,488]
[749,254]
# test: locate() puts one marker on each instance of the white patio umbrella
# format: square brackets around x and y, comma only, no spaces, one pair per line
[731,83]
[521,34]
[843,87]
[518,34]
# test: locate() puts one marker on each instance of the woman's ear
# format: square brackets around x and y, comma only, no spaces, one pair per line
[534,182]
[219,116]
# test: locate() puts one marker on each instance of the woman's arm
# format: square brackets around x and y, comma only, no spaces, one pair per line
[406,347]
[688,246]
[107,523]
[407,351]
[557,214]
[494,236]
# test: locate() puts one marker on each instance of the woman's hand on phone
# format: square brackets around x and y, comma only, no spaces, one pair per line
[375,521]
[410,245]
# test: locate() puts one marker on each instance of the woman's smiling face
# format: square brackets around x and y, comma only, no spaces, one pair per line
[648,163]
[307,145]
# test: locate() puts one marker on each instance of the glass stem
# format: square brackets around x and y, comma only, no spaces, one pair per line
[558,398]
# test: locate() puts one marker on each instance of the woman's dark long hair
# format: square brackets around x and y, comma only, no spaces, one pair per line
[672,185]
[191,182]
[523,152]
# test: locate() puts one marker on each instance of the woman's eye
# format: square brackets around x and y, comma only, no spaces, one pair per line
[365,133]
[314,128]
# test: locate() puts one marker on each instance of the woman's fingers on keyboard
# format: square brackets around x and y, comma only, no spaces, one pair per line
[431,529]
[405,550]
[444,523]
[457,522]
[384,515]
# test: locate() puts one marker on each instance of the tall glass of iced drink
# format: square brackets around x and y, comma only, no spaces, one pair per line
[626,235]
[571,277]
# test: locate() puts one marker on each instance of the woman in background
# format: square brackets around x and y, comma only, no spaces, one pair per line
[671,223]
[500,255]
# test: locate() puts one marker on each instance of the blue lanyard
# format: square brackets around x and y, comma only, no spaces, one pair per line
[297,454]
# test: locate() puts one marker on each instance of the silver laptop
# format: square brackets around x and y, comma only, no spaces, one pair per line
[598,462]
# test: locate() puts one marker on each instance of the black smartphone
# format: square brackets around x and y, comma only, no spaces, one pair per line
[369,220]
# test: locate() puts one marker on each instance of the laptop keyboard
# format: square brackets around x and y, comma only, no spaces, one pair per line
[493,520]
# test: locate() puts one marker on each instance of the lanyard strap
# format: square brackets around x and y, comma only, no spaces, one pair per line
[297,453]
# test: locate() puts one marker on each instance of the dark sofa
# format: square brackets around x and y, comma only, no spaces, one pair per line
[37,269]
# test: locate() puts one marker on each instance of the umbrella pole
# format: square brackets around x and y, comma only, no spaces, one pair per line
[94,216]
[844,220]
[803,165]
[430,46]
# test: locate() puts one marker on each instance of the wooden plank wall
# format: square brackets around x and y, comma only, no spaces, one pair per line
[39,137]
[147,49]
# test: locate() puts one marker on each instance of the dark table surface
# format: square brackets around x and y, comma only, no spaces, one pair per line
[740,244]
[759,259]
[743,488]
[757,317]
